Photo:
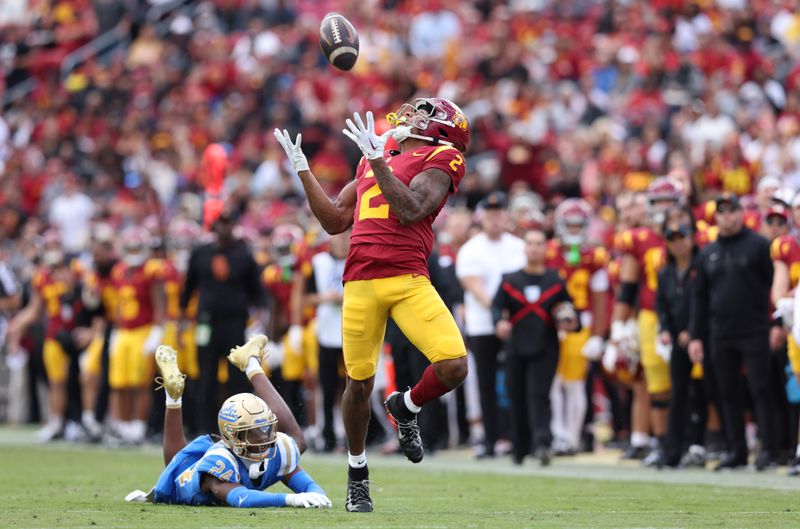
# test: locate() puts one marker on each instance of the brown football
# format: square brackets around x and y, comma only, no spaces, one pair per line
[338,41]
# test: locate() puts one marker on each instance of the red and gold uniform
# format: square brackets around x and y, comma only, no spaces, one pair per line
[386,272]
[647,247]
[128,364]
[279,280]
[572,365]
[60,312]
[786,249]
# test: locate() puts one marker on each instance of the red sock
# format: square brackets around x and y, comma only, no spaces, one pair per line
[428,388]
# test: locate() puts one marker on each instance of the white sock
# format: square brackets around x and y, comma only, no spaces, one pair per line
[357,461]
[640,439]
[55,423]
[576,411]
[413,408]
[558,425]
[87,417]
[797,452]
[253,367]
[173,403]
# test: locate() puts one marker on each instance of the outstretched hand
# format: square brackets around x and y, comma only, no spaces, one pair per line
[364,136]
[293,150]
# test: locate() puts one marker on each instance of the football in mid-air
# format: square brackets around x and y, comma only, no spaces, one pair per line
[339,41]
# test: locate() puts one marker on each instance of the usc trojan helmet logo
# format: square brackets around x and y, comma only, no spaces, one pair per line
[248,426]
[435,119]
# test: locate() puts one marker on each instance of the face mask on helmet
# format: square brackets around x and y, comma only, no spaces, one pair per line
[248,427]
[431,119]
[657,208]
[572,221]
[573,231]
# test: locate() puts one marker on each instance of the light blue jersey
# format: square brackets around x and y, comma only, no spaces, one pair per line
[181,479]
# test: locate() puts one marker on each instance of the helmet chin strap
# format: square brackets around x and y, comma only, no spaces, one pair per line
[403,132]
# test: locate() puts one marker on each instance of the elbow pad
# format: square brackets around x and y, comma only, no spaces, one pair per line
[627,293]
[247,498]
[302,482]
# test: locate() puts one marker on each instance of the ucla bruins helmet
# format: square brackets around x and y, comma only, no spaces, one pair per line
[247,426]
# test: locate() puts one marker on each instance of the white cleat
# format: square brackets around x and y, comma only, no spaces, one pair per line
[256,347]
[171,379]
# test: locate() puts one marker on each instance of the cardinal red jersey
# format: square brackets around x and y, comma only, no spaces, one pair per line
[705,234]
[787,250]
[577,274]
[134,298]
[277,279]
[380,245]
[647,247]
[168,273]
[60,305]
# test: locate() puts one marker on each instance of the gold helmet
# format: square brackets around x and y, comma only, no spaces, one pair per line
[247,426]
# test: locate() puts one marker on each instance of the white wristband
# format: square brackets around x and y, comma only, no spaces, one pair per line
[253,368]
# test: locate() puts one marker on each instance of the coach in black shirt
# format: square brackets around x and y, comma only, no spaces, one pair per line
[529,308]
[226,277]
[732,310]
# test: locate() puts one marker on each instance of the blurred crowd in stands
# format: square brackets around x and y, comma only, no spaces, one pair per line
[574,98]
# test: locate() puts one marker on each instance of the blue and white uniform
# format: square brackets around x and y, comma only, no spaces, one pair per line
[180,482]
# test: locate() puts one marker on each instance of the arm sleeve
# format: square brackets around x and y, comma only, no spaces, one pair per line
[257,295]
[499,303]
[311,282]
[698,312]
[767,267]
[662,305]
[248,498]
[301,481]
[190,283]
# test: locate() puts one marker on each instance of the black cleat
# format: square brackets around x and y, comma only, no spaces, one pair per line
[544,455]
[636,452]
[765,461]
[731,461]
[407,428]
[358,499]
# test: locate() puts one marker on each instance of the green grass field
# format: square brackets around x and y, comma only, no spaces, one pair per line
[63,485]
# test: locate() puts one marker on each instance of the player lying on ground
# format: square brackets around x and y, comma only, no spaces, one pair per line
[252,454]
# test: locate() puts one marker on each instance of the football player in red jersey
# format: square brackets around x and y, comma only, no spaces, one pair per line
[58,294]
[391,206]
[643,255]
[584,268]
[785,251]
[140,311]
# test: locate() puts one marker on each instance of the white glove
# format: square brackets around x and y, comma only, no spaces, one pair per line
[275,357]
[153,339]
[565,312]
[364,136]
[785,308]
[619,331]
[307,500]
[593,348]
[295,338]
[663,350]
[293,150]
[610,357]
[255,327]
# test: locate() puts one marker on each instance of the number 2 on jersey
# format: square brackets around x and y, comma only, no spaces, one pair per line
[372,212]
